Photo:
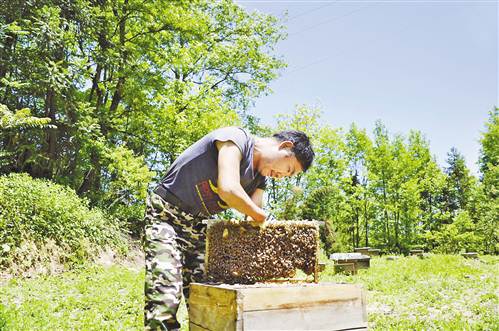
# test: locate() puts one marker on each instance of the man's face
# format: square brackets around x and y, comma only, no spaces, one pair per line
[280,162]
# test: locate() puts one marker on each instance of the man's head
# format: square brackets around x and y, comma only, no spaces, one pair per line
[285,154]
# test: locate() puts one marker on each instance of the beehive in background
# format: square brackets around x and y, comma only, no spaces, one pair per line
[238,252]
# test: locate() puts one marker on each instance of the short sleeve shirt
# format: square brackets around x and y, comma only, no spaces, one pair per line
[192,178]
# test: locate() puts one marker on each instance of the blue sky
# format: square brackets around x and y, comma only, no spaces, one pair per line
[425,65]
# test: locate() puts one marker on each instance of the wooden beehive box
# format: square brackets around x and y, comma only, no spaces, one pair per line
[470,255]
[416,252]
[362,250]
[323,306]
[360,261]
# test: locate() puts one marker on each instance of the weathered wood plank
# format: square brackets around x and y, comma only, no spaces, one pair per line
[374,252]
[297,296]
[470,255]
[361,261]
[213,308]
[195,327]
[324,306]
[362,250]
[416,252]
[337,316]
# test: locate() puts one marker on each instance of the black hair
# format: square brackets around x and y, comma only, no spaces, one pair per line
[301,146]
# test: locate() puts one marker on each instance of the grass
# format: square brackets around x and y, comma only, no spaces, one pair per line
[92,298]
[442,292]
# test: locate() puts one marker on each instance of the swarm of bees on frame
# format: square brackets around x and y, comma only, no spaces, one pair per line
[238,252]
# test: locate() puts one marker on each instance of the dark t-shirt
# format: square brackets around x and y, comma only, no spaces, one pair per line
[192,178]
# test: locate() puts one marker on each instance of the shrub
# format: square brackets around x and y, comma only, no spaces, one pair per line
[36,212]
[457,237]
[132,218]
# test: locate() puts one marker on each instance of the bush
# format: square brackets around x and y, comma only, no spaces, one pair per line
[457,237]
[36,213]
[132,218]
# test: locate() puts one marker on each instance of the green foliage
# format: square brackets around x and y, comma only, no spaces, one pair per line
[14,129]
[325,204]
[490,140]
[459,183]
[36,213]
[458,237]
[485,209]
[486,218]
[128,85]
[21,119]
[131,216]
[129,174]
[126,190]
[386,191]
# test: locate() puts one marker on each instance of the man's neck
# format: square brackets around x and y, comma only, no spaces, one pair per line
[257,151]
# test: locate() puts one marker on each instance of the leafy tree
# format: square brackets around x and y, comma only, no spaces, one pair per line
[127,84]
[459,183]
[357,148]
[326,204]
[489,154]
[381,171]
[15,129]
[457,237]
[304,119]
[486,200]
[21,119]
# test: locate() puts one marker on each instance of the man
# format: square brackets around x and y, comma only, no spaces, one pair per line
[225,169]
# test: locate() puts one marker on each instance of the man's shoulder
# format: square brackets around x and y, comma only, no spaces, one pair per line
[235,130]
[238,135]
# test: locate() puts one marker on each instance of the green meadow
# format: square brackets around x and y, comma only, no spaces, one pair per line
[439,292]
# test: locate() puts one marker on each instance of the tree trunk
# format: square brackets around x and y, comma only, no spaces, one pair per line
[366,218]
[124,54]
[91,181]
[45,169]
[357,236]
[397,218]
[117,95]
[95,82]
[7,42]
[385,214]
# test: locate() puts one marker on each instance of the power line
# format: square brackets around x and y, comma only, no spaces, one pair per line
[323,59]
[312,10]
[333,19]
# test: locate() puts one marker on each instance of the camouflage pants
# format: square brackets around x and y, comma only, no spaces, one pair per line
[174,257]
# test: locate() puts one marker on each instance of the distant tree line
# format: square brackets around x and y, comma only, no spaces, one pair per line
[387,191]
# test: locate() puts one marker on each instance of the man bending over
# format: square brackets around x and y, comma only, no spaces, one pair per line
[227,168]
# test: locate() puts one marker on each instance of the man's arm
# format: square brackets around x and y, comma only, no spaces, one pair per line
[257,197]
[229,187]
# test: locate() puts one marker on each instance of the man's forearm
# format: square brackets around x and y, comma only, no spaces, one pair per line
[237,198]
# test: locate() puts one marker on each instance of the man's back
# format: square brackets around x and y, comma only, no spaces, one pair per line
[193,177]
